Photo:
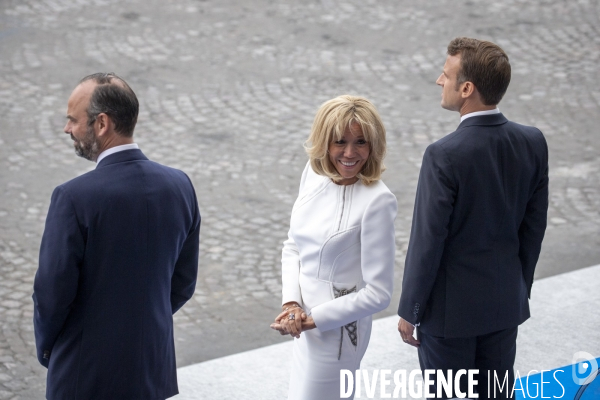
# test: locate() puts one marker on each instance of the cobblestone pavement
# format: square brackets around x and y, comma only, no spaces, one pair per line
[228,90]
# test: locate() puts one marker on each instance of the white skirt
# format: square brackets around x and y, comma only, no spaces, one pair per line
[315,365]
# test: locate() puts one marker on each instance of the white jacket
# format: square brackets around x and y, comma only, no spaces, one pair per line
[339,237]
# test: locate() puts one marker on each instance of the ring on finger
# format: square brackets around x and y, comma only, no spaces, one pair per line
[292,317]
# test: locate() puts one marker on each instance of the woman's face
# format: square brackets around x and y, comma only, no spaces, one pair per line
[349,154]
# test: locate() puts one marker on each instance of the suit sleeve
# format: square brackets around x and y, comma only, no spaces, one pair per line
[290,260]
[56,280]
[533,226]
[377,255]
[183,281]
[434,203]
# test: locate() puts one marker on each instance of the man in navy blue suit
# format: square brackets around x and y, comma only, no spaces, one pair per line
[478,224]
[119,256]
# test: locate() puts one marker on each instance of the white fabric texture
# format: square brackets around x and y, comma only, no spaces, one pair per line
[340,236]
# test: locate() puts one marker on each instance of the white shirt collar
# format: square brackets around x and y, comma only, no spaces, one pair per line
[477,113]
[116,149]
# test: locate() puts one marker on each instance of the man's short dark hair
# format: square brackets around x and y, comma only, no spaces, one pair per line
[115,98]
[483,63]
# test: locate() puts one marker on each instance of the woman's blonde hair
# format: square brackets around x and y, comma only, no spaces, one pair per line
[331,121]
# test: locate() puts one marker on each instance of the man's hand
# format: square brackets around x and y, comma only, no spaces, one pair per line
[406,330]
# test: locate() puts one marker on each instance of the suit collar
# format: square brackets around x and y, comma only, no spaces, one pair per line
[484,120]
[122,156]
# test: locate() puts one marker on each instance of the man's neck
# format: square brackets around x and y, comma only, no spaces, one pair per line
[469,108]
[115,149]
[479,113]
[114,141]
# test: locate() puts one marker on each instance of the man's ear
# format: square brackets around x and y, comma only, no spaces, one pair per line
[103,124]
[467,89]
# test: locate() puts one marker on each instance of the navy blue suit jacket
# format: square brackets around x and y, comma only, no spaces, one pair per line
[478,224]
[119,256]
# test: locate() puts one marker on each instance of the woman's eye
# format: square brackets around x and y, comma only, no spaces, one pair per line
[362,142]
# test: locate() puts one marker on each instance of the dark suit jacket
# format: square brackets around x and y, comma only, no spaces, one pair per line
[478,224]
[119,256]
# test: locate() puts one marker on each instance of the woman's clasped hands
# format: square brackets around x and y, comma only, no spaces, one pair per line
[292,320]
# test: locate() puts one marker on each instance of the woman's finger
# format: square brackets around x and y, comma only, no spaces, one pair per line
[291,325]
[280,316]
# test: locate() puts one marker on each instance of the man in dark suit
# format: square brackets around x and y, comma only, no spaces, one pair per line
[478,224]
[119,256]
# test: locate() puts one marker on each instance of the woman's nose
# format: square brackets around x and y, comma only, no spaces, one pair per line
[349,150]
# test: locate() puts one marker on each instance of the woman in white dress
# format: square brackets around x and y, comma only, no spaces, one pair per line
[338,260]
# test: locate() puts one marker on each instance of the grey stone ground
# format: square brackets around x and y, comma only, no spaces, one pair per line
[228,90]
